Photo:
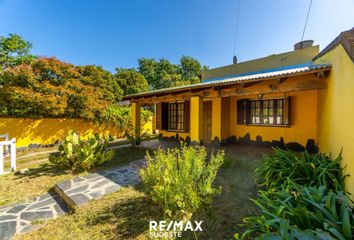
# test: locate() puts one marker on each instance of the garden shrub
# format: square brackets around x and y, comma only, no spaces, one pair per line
[301,212]
[121,117]
[181,179]
[307,169]
[78,155]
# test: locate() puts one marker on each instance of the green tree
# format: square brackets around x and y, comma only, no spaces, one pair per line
[164,74]
[14,50]
[96,76]
[131,81]
[148,67]
[190,69]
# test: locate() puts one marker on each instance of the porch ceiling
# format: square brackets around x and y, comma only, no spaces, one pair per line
[241,83]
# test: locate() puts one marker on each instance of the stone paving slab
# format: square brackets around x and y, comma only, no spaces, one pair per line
[18,218]
[79,191]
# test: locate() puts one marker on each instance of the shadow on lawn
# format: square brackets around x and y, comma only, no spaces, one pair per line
[130,216]
[44,169]
[123,156]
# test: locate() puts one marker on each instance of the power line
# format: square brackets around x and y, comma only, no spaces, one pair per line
[236,28]
[307,18]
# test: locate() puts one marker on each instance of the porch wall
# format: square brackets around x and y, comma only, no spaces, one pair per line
[303,119]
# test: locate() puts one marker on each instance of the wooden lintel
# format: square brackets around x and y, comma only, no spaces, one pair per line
[303,86]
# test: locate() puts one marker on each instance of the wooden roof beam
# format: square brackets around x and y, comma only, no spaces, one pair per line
[250,84]
[281,80]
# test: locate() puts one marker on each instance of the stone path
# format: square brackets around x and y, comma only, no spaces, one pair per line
[20,217]
[81,190]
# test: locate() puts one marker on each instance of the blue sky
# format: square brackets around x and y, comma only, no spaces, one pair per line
[117,33]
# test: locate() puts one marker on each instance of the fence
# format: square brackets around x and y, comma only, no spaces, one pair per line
[11,144]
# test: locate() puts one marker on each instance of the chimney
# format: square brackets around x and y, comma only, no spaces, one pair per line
[234,60]
[303,44]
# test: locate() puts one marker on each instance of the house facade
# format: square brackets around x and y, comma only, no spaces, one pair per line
[300,100]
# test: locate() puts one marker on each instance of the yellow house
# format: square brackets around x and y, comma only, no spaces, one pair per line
[300,100]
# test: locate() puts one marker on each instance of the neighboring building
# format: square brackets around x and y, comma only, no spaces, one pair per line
[300,99]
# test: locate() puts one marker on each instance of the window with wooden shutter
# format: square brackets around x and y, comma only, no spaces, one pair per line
[241,112]
[268,112]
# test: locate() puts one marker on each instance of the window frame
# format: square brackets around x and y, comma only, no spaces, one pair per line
[178,115]
[261,112]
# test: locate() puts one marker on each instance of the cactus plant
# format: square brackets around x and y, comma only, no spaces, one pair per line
[81,155]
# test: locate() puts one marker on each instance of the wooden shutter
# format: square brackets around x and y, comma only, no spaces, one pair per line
[241,112]
[164,116]
[247,112]
[287,111]
[158,116]
[186,116]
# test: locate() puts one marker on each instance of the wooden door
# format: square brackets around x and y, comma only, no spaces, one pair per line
[207,107]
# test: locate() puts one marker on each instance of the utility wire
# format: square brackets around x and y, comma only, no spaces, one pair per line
[236,28]
[307,18]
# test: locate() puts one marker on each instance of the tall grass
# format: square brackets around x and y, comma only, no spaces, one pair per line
[303,168]
[301,212]
[303,198]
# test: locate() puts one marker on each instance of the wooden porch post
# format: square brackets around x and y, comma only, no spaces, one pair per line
[135,107]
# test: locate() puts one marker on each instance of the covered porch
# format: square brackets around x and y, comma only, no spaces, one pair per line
[274,107]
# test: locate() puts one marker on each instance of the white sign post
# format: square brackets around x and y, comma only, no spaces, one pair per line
[12,144]
[5,137]
[1,160]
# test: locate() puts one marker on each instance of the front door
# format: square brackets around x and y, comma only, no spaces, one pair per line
[207,106]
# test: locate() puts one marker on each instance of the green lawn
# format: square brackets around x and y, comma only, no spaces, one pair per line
[126,214]
[42,176]
[121,215]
